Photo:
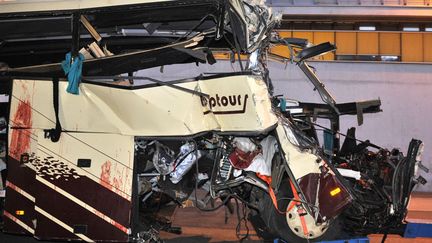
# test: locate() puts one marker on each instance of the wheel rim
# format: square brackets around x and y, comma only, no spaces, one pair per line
[295,224]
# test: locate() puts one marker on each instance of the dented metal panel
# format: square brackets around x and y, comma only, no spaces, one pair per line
[237,103]
[89,174]
[300,162]
[89,170]
[97,196]
[99,191]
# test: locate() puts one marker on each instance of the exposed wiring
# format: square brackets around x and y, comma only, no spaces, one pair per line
[237,45]
[240,220]
[195,27]
[345,135]
[228,41]
[295,200]
[94,79]
[396,183]
[240,217]
[223,203]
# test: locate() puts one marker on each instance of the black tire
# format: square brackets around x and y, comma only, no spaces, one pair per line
[276,222]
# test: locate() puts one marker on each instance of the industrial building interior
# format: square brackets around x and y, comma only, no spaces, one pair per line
[216,121]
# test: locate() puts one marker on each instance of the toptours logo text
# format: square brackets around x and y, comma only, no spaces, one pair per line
[230,104]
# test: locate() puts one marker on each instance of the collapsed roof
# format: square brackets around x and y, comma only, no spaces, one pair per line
[135,34]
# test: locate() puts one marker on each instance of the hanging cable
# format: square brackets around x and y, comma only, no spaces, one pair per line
[345,135]
[223,203]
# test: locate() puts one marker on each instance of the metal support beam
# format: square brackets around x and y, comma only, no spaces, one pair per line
[75,34]
[419,13]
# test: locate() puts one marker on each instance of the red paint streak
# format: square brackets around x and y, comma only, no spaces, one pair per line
[120,227]
[105,175]
[10,216]
[10,185]
[20,139]
[118,181]
[113,179]
[110,221]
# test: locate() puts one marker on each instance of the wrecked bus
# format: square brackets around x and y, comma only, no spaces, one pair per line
[94,154]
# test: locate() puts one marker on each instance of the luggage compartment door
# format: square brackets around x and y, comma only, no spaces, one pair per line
[84,187]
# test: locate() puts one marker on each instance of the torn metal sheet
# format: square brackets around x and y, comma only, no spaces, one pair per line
[239,103]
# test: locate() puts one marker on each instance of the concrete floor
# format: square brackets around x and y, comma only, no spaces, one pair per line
[212,227]
[202,227]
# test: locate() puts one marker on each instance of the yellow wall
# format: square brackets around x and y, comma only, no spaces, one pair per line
[389,44]
[346,43]
[427,47]
[282,50]
[367,43]
[411,47]
[320,37]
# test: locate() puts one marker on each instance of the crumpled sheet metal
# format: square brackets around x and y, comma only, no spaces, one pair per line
[253,109]
[316,189]
[301,163]
[190,157]
[153,111]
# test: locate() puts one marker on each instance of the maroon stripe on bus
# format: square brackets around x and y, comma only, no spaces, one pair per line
[49,230]
[85,189]
[74,215]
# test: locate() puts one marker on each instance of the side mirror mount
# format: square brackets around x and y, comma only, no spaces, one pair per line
[314,51]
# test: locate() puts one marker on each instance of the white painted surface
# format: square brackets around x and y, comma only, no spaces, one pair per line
[4,98]
[405,91]
[20,6]
[350,173]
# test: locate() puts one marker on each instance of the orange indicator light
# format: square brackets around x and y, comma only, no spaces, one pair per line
[334,192]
